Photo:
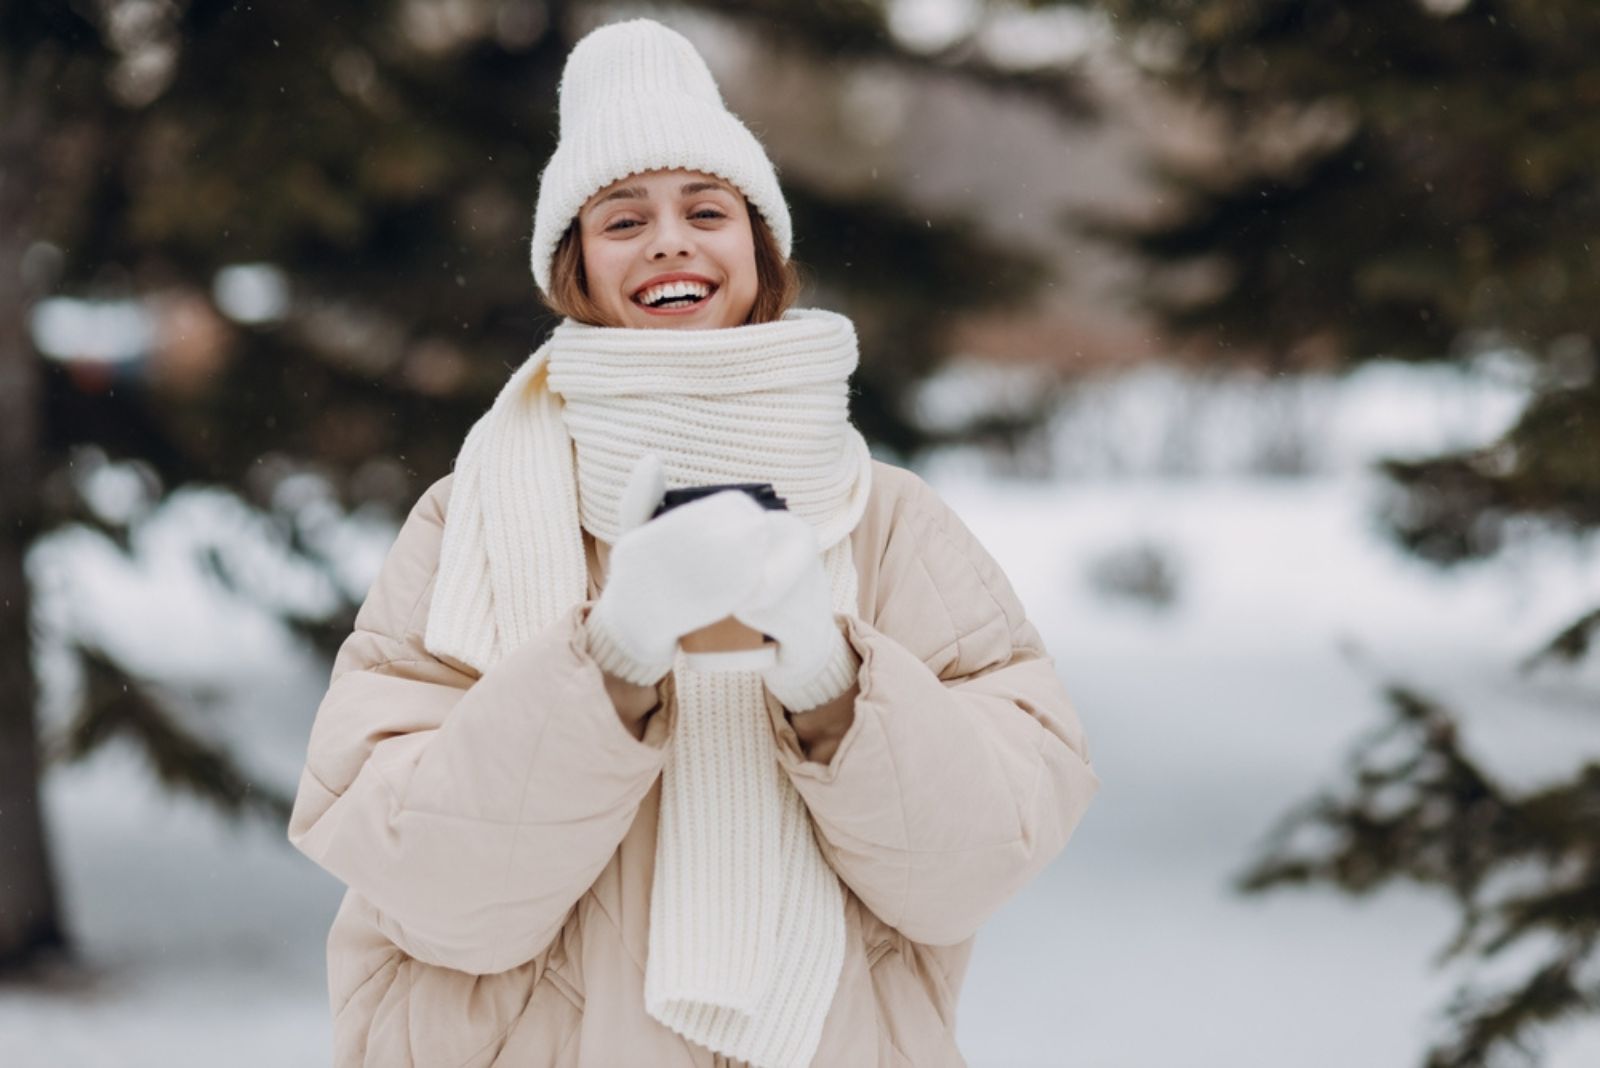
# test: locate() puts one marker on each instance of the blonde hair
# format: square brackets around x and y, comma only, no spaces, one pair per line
[778,278]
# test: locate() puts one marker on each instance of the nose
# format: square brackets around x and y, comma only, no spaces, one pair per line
[672,236]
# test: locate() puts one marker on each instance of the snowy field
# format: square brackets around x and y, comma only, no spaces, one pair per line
[1207,718]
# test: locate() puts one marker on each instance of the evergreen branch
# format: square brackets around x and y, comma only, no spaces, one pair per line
[1546,467]
[1571,644]
[1491,1027]
[1431,817]
[117,703]
[1423,811]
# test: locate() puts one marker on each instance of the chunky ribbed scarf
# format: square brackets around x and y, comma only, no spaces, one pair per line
[746,918]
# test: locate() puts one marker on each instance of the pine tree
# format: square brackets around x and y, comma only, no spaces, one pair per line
[1414,179]
[29,920]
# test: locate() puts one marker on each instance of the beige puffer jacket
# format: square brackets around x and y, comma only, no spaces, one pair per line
[498,833]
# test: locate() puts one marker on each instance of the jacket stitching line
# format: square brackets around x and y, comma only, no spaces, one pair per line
[515,1019]
[492,821]
[1011,655]
[905,848]
[933,582]
[393,958]
[538,971]
[499,1038]
[905,828]
[411,614]
[527,784]
[1034,790]
[953,643]
[544,973]
[311,773]
[564,987]
[940,526]
[571,1037]
[838,832]
[883,549]
[433,573]
[398,661]
[612,920]
[394,795]
[389,661]
[411,989]
[886,949]
[374,665]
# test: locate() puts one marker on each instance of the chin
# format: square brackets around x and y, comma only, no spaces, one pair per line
[678,322]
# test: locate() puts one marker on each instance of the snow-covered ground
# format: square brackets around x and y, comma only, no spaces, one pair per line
[1207,718]
[1206,722]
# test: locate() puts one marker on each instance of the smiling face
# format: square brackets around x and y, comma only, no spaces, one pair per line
[669,249]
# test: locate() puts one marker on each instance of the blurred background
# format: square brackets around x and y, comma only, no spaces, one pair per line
[1255,338]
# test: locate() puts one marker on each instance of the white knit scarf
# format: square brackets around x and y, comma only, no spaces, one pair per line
[746,918]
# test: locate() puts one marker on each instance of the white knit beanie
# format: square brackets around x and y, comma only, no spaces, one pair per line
[635,97]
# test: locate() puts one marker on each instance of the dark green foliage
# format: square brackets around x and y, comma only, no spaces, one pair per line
[1522,868]
[117,704]
[1547,465]
[1572,644]
[1416,180]
[1397,179]
[902,314]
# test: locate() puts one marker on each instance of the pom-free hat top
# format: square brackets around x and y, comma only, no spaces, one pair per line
[636,96]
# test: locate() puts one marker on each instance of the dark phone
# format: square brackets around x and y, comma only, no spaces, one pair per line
[762,493]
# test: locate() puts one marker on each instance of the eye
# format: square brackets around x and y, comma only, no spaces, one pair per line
[620,223]
[711,212]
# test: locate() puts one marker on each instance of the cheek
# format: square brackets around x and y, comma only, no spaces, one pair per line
[600,268]
[741,258]
[746,289]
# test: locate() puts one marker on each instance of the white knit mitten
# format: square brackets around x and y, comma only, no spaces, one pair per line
[669,576]
[794,605]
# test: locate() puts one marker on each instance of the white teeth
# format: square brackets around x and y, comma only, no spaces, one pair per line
[661,292]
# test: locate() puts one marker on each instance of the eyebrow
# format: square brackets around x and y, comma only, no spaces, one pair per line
[639,192]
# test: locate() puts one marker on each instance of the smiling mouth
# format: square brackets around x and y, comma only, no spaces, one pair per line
[681,303]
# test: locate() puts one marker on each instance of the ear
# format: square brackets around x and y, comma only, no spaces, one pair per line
[643,491]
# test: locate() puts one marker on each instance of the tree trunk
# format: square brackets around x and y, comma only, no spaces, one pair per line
[29,920]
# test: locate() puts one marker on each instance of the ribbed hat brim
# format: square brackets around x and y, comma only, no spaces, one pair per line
[675,127]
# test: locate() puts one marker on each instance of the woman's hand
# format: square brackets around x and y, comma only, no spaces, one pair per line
[673,575]
[726,635]
[794,604]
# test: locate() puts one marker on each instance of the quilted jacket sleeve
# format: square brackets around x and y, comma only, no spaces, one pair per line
[472,813]
[966,768]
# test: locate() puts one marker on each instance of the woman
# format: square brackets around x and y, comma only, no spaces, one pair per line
[730,785]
